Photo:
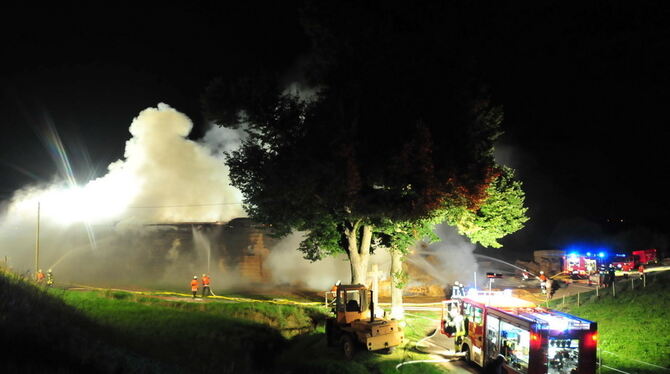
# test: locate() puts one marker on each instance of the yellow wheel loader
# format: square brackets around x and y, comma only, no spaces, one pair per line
[355,324]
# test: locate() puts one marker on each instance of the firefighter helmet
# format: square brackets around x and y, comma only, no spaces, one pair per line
[195,277]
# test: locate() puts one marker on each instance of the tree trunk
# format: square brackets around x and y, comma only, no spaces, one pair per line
[397,310]
[359,253]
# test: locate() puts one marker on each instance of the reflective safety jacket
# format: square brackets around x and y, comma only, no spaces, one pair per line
[40,276]
[205,281]
[194,285]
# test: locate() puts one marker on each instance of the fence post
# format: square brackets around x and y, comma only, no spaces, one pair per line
[614,289]
[644,280]
[597,288]
[577,298]
[632,283]
[600,362]
[563,302]
[325,301]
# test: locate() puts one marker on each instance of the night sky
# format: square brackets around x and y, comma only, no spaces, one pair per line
[584,89]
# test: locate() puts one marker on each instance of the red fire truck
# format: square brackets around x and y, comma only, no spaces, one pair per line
[577,265]
[631,262]
[646,256]
[532,339]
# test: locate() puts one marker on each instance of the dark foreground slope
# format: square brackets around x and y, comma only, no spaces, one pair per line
[117,332]
[40,333]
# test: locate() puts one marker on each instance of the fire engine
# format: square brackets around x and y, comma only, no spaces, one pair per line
[646,256]
[532,339]
[578,265]
[631,262]
[623,262]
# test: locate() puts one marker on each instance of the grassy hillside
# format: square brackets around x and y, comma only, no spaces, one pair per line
[41,333]
[73,331]
[120,332]
[634,327]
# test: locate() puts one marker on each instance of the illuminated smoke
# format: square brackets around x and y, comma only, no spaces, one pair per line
[451,259]
[163,178]
[287,266]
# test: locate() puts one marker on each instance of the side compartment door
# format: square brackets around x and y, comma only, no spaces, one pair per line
[492,337]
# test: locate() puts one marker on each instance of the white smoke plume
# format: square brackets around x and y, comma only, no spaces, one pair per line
[448,260]
[287,266]
[163,178]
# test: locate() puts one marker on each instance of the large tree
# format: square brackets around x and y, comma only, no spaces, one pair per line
[396,125]
[500,213]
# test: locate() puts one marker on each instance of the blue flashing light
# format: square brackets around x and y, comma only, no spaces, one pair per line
[588,254]
[601,254]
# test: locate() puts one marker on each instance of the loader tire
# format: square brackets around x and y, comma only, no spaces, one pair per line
[348,346]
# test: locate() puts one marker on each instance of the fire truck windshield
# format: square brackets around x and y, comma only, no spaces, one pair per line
[563,355]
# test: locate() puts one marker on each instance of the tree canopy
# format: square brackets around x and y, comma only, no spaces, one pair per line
[502,212]
[396,126]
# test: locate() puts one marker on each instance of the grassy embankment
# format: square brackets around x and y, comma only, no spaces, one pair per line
[634,325]
[109,331]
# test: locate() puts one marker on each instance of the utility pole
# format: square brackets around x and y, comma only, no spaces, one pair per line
[37,241]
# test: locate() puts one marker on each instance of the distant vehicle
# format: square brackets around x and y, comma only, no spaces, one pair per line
[646,256]
[355,324]
[580,265]
[624,262]
[631,262]
[533,340]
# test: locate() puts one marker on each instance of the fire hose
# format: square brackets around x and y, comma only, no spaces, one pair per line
[418,345]
[229,298]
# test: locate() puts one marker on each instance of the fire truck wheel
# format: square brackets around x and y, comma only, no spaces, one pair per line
[348,347]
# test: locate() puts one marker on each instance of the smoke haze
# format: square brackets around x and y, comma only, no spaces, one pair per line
[163,178]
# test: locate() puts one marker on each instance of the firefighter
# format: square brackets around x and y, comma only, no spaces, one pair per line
[543,282]
[50,278]
[457,290]
[611,274]
[333,291]
[524,275]
[205,286]
[458,321]
[334,288]
[40,277]
[640,270]
[194,285]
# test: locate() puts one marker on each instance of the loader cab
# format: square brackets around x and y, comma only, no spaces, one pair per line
[352,303]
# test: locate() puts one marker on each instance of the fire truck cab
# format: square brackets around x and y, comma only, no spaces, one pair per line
[532,339]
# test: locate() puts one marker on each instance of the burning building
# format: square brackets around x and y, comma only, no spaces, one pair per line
[239,246]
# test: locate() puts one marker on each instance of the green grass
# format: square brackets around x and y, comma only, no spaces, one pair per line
[324,359]
[113,331]
[634,325]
